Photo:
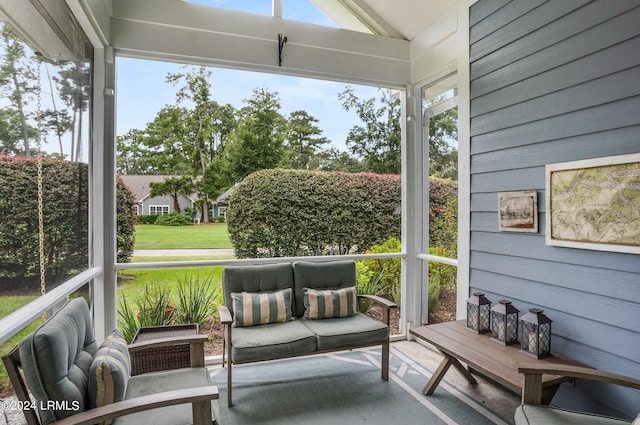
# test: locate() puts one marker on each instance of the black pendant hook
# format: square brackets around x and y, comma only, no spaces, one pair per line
[281,40]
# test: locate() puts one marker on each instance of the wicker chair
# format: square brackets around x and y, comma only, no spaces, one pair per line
[75,381]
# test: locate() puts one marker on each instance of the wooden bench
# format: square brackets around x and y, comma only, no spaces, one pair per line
[495,361]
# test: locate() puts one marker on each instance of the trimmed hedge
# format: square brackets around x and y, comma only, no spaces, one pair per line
[65,192]
[125,221]
[283,213]
[65,217]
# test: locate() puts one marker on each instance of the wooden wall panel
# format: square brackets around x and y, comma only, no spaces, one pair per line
[552,82]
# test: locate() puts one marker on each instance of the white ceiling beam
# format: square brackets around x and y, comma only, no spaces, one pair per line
[192,33]
[356,15]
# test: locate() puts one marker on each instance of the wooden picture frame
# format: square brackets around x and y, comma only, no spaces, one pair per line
[594,204]
[518,211]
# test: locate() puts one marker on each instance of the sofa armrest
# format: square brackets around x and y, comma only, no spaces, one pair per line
[200,397]
[225,315]
[386,305]
[196,346]
[532,388]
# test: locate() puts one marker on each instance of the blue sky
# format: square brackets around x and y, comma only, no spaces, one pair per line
[142,91]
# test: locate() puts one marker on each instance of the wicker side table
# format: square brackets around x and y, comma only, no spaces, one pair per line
[161,358]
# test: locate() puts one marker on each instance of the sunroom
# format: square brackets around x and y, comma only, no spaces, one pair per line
[543,88]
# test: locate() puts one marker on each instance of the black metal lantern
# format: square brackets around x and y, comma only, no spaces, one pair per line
[478,313]
[535,334]
[504,323]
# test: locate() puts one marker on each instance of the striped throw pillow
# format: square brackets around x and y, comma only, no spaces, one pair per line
[109,372]
[329,303]
[261,308]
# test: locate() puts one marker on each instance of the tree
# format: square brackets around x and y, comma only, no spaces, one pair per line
[16,81]
[443,134]
[333,159]
[72,81]
[378,139]
[258,141]
[303,138]
[11,131]
[201,125]
[173,186]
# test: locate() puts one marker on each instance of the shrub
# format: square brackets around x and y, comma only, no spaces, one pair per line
[125,221]
[174,219]
[152,307]
[381,273]
[147,218]
[279,213]
[65,192]
[195,300]
[443,214]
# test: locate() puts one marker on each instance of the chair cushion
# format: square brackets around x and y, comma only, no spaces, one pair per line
[56,358]
[260,278]
[110,370]
[546,415]
[325,275]
[329,303]
[347,332]
[271,341]
[261,308]
[157,382]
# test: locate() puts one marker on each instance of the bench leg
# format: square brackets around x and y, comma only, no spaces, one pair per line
[202,413]
[385,361]
[437,376]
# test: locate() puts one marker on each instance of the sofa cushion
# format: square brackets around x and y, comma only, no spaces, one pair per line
[271,341]
[359,330]
[324,275]
[109,372]
[261,278]
[329,303]
[56,358]
[168,380]
[544,415]
[261,308]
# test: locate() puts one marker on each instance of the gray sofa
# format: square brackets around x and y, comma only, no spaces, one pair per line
[323,315]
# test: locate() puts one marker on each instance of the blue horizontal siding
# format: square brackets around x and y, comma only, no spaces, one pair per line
[556,81]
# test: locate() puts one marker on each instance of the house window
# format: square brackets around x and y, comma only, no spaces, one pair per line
[158,209]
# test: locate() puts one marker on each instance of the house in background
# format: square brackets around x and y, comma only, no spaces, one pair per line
[222,203]
[158,205]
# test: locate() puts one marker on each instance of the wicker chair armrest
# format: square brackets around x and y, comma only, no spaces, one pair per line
[200,396]
[164,342]
[225,315]
[196,346]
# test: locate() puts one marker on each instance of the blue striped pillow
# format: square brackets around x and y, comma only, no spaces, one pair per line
[109,372]
[261,308]
[329,303]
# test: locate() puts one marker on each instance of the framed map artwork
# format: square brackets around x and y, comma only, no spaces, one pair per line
[594,204]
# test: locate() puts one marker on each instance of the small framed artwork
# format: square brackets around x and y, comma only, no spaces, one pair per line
[518,211]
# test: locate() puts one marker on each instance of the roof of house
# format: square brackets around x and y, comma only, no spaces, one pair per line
[141,185]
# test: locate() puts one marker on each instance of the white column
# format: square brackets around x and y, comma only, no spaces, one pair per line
[103,208]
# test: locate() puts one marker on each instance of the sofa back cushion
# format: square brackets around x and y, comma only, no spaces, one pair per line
[56,358]
[324,275]
[260,278]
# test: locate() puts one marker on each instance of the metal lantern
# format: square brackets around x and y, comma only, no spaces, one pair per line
[478,313]
[504,323]
[535,334]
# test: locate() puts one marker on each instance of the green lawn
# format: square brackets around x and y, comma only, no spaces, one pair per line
[205,236]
